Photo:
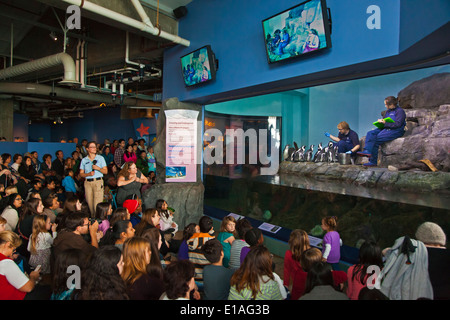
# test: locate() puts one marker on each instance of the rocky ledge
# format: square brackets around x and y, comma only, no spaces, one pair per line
[377,177]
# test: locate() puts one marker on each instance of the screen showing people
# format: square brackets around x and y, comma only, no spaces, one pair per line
[297,31]
[196,67]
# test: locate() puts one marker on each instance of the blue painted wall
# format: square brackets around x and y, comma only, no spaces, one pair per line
[308,113]
[234,30]
[96,125]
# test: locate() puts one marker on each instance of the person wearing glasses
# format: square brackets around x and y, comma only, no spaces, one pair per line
[77,225]
[12,211]
[92,169]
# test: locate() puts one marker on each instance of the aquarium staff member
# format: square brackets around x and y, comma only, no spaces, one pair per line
[389,132]
[347,140]
[92,168]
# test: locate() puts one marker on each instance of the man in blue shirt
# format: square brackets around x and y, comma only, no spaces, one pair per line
[92,168]
[390,131]
[347,140]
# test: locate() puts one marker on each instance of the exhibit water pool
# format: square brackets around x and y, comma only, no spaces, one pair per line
[295,202]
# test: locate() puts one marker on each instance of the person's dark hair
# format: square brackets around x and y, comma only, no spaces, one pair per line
[212,250]
[320,274]
[101,210]
[154,268]
[35,182]
[391,101]
[369,254]
[189,231]
[114,232]
[176,278]
[158,206]
[48,202]
[16,156]
[253,236]
[242,226]
[45,156]
[118,215]
[205,224]
[257,263]
[5,157]
[371,294]
[29,208]
[67,171]
[57,152]
[101,279]
[12,197]
[74,220]
[66,258]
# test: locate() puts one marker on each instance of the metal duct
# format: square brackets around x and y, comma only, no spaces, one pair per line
[140,25]
[44,63]
[58,93]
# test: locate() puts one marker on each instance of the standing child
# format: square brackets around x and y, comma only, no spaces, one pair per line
[41,242]
[331,244]
[69,184]
[226,237]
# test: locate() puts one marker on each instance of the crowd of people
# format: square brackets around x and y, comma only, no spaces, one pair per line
[62,239]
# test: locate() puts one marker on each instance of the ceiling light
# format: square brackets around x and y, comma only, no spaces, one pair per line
[53,36]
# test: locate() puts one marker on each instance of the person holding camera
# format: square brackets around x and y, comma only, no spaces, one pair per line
[92,169]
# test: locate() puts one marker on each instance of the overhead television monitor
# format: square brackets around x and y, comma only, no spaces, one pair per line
[298,31]
[198,66]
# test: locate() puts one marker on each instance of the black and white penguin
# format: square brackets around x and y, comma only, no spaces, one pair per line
[330,152]
[318,153]
[309,154]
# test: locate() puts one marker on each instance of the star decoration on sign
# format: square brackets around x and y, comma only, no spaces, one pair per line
[142,130]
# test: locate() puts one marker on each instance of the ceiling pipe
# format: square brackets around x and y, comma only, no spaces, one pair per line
[59,93]
[140,25]
[44,63]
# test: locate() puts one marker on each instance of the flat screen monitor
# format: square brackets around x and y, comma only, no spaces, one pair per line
[198,66]
[298,31]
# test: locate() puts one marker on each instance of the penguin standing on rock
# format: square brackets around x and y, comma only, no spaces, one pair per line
[318,153]
[309,154]
[299,155]
[330,152]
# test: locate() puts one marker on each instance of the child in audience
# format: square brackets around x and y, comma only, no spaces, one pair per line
[298,243]
[166,223]
[254,238]
[103,211]
[41,242]
[216,277]
[179,281]
[255,280]
[307,259]
[195,244]
[226,237]
[369,255]
[242,226]
[331,244]
[188,232]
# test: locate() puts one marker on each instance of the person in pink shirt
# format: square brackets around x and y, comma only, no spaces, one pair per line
[129,154]
[357,276]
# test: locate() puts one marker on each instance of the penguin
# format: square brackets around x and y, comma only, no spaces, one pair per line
[302,154]
[330,152]
[309,153]
[298,155]
[318,153]
[336,152]
[286,153]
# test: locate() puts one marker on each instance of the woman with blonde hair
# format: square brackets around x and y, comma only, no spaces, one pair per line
[14,284]
[298,243]
[140,284]
[129,182]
